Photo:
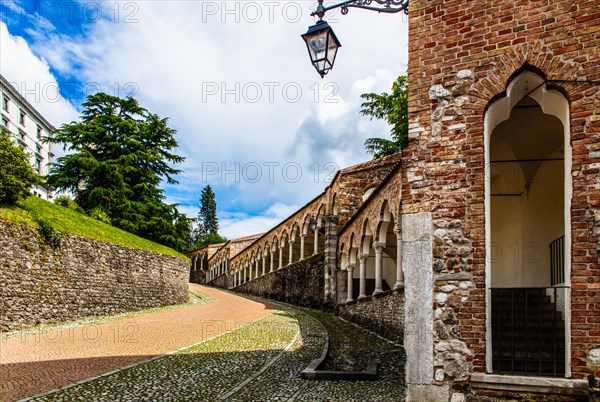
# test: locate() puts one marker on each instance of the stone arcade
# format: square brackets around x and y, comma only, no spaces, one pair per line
[478,245]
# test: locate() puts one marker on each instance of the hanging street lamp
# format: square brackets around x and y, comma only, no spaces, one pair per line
[321,41]
[322,45]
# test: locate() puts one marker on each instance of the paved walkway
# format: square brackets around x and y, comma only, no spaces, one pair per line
[36,363]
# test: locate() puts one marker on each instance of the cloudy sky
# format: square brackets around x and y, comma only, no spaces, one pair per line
[253,118]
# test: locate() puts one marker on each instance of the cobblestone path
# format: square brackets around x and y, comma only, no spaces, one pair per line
[38,362]
[259,361]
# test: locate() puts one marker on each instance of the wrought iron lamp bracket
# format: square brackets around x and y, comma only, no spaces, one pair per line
[387,6]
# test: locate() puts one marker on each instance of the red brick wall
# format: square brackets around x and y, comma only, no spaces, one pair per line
[560,40]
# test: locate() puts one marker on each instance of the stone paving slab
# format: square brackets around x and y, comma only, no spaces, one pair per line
[35,363]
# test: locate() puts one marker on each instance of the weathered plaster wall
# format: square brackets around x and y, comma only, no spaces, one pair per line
[81,278]
[301,283]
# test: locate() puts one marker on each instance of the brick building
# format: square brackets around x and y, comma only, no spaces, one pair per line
[504,158]
[480,249]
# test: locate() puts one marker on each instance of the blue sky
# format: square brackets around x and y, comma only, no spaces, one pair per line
[254,119]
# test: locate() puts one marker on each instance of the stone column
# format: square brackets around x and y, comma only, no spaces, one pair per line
[302,239]
[234,278]
[378,246]
[316,239]
[257,261]
[272,258]
[245,272]
[280,256]
[291,248]
[350,269]
[331,268]
[362,258]
[202,263]
[264,263]
[327,283]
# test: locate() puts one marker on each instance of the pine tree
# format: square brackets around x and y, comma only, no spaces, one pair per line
[208,223]
[119,154]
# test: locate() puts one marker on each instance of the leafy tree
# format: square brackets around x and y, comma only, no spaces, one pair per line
[393,108]
[17,176]
[119,153]
[208,223]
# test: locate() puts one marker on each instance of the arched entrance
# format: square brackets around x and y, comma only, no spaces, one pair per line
[527,242]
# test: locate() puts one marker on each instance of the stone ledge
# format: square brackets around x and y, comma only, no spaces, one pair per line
[382,294]
[545,385]
[313,370]
[364,299]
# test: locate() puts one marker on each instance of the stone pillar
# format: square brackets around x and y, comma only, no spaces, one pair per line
[272,257]
[350,269]
[280,256]
[316,239]
[363,275]
[245,272]
[302,239]
[202,263]
[264,263]
[291,251]
[331,269]
[234,278]
[378,246]
[257,261]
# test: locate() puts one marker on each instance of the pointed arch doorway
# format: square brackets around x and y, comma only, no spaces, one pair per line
[528,187]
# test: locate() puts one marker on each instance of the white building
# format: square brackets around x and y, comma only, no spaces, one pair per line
[27,127]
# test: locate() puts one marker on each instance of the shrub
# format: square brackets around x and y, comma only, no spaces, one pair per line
[17,176]
[68,202]
[100,215]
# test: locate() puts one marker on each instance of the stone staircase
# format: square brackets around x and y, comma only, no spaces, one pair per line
[528,333]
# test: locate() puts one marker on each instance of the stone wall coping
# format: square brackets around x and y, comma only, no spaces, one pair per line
[546,385]
[371,200]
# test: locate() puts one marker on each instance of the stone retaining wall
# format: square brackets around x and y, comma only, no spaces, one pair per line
[198,277]
[80,278]
[221,281]
[301,283]
[383,314]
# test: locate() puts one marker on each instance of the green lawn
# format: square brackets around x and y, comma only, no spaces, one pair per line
[68,221]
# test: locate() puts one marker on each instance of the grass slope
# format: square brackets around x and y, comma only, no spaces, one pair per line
[68,221]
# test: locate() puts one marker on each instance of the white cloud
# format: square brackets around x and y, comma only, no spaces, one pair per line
[239,88]
[236,224]
[31,76]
